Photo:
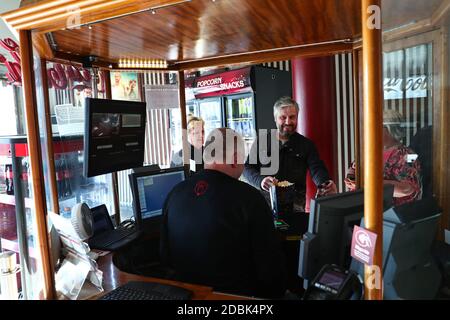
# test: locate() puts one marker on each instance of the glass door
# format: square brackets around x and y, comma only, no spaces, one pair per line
[240,116]
[211,112]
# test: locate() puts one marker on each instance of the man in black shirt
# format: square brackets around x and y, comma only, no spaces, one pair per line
[219,231]
[296,154]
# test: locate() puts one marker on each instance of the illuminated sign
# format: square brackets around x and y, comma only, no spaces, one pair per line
[398,88]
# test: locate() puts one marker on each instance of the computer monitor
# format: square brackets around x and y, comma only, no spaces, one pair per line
[114,135]
[330,229]
[150,189]
[409,269]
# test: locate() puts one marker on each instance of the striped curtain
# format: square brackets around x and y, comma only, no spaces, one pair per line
[281,65]
[345,116]
[157,133]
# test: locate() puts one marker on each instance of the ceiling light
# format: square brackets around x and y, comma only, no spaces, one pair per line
[143,63]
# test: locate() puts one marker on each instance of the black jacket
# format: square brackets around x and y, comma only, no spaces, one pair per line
[219,232]
[296,156]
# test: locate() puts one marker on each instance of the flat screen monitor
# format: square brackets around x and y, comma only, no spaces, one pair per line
[150,189]
[331,222]
[114,135]
[409,269]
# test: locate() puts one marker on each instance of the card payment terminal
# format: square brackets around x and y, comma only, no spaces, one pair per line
[334,283]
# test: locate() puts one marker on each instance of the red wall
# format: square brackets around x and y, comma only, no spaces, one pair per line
[313,81]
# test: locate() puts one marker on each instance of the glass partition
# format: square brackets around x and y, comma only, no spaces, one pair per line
[69,86]
[416,117]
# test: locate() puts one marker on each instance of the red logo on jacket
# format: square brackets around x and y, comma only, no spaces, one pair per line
[200,188]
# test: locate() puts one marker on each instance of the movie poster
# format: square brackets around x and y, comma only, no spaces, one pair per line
[124,86]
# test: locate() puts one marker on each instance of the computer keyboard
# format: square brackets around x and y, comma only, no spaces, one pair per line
[110,237]
[141,290]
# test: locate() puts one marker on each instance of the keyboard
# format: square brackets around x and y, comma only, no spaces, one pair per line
[107,238]
[141,290]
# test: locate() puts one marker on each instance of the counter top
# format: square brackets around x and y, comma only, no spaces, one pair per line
[113,278]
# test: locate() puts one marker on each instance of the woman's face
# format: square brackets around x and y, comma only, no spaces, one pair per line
[196,135]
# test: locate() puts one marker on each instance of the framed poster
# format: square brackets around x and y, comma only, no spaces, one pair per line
[124,86]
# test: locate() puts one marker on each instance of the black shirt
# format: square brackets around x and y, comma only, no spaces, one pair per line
[296,156]
[219,232]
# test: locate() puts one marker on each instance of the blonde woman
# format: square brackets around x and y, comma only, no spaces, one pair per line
[196,137]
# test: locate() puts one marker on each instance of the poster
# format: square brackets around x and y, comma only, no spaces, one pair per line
[124,86]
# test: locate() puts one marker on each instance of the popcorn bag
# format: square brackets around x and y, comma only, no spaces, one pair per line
[282,198]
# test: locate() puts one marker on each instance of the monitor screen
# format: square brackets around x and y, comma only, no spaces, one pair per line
[150,189]
[409,269]
[332,279]
[330,230]
[114,135]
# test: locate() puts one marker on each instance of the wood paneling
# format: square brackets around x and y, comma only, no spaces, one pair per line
[52,15]
[202,29]
[267,56]
[42,46]
[189,31]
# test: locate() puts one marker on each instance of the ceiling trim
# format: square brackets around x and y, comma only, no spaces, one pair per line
[307,50]
[51,15]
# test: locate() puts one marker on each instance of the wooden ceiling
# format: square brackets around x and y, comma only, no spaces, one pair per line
[185,32]
[203,28]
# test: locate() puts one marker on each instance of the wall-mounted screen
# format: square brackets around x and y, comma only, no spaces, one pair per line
[114,136]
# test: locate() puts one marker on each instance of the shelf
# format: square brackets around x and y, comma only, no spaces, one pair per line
[11,200]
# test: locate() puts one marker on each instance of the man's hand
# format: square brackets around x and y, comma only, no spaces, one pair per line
[268,182]
[326,188]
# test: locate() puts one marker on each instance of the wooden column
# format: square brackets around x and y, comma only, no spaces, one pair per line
[37,175]
[373,143]
[51,155]
[182,94]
